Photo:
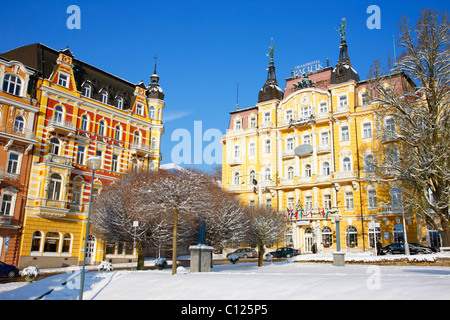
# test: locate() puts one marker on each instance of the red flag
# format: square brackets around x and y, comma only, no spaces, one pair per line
[323,212]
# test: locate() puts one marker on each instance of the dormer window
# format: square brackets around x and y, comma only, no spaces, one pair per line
[104,97]
[237,125]
[139,109]
[119,103]
[63,79]
[86,90]
[12,84]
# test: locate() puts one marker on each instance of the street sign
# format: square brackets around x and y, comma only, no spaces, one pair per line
[6,244]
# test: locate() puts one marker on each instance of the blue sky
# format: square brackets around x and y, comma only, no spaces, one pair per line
[205,47]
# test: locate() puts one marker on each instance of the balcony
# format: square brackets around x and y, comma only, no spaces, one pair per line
[18,133]
[345,174]
[5,219]
[288,154]
[56,159]
[301,121]
[389,136]
[143,149]
[235,161]
[58,125]
[324,148]
[391,208]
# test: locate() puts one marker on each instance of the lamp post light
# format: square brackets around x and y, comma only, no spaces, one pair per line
[93,163]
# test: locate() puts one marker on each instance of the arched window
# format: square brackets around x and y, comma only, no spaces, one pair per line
[67,243]
[151,112]
[101,127]
[308,171]
[84,122]
[54,146]
[19,125]
[119,103]
[136,137]
[252,177]
[87,91]
[346,164]
[327,237]
[58,115]
[351,237]
[290,173]
[104,96]
[236,178]
[374,235]
[54,187]
[36,241]
[368,163]
[12,84]
[117,132]
[326,168]
[52,240]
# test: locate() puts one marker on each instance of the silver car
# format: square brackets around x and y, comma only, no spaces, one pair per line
[244,253]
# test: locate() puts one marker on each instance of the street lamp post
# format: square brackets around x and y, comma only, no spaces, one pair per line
[94,163]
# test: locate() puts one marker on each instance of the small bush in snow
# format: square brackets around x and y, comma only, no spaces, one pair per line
[233,258]
[30,273]
[105,266]
[160,263]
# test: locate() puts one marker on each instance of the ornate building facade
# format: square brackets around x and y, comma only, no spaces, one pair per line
[83,112]
[306,152]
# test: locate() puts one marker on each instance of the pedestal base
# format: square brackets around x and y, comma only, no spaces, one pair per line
[339,259]
[201,258]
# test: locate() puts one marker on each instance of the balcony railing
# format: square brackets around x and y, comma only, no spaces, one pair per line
[17,131]
[5,219]
[60,125]
[345,174]
[53,158]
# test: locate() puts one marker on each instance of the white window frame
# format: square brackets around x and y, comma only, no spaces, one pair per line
[18,163]
[63,79]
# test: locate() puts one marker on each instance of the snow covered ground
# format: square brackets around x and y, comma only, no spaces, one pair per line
[245,281]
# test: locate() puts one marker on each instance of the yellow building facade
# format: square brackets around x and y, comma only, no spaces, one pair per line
[306,152]
[83,112]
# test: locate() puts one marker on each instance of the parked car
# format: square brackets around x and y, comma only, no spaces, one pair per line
[244,253]
[7,270]
[285,252]
[399,248]
[419,248]
[433,249]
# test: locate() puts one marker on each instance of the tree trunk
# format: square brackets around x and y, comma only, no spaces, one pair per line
[141,256]
[260,255]
[174,242]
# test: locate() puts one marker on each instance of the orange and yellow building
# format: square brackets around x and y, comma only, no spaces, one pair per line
[83,112]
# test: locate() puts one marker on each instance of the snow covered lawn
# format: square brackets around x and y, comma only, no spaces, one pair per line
[246,281]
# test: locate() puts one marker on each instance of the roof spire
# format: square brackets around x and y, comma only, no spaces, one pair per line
[270,90]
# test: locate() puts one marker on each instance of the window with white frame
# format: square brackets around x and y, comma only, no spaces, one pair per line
[237,151]
[369,163]
[152,112]
[252,122]
[290,203]
[289,115]
[326,168]
[86,90]
[267,174]
[63,79]
[58,115]
[307,139]
[52,241]
[252,177]
[351,237]
[345,133]
[54,187]
[84,122]
[289,144]
[13,166]
[308,203]
[324,138]
[346,164]
[348,200]
[305,112]
[7,204]
[238,125]
[139,109]
[367,130]
[267,117]
[343,101]
[323,107]
[114,163]
[252,149]
[104,96]
[101,127]
[327,201]
[308,171]
[372,199]
[54,145]
[268,204]
[365,98]
[19,125]
[119,103]
[76,194]
[36,241]
[290,172]
[267,146]
[389,124]
[80,155]
[67,243]
[237,178]
[12,84]
[117,132]
[251,205]
[153,143]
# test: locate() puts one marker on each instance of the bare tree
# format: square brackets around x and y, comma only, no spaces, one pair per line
[266,227]
[419,161]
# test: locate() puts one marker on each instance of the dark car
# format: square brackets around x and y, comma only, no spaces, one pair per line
[7,270]
[285,252]
[244,253]
[433,249]
[399,248]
